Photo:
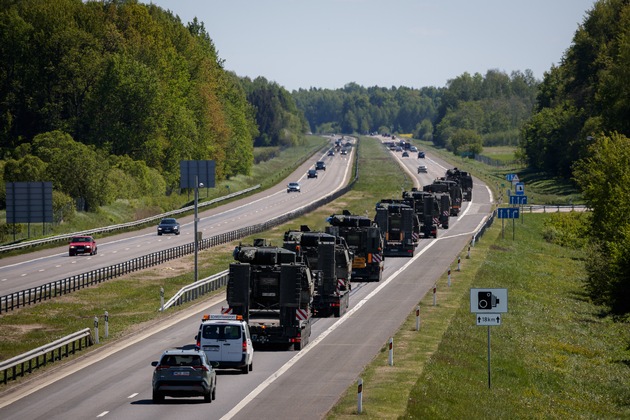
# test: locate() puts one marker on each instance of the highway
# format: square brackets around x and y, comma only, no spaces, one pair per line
[115,381]
[34,269]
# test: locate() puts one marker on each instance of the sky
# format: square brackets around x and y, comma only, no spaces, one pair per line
[413,43]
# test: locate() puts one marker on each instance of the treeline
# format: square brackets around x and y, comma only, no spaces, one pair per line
[122,92]
[581,130]
[470,112]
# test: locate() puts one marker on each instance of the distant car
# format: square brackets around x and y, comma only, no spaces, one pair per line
[293,187]
[398,149]
[331,152]
[344,152]
[422,169]
[421,155]
[413,149]
[320,165]
[184,373]
[168,225]
[312,173]
[405,154]
[82,245]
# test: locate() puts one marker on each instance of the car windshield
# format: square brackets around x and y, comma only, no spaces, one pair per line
[82,239]
[168,222]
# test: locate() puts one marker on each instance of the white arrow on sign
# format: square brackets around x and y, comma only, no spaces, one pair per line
[489,319]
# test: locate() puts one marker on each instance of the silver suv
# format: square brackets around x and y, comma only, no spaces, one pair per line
[184,373]
[293,187]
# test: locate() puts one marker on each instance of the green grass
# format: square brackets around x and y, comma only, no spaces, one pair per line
[554,356]
[504,154]
[539,188]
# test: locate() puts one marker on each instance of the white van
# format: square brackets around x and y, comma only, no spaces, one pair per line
[225,339]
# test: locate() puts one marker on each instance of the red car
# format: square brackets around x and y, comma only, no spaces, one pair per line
[82,245]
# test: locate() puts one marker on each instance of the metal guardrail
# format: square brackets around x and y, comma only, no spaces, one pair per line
[57,288]
[192,291]
[112,228]
[25,363]
[545,208]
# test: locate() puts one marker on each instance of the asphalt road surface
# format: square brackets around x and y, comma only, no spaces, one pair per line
[115,381]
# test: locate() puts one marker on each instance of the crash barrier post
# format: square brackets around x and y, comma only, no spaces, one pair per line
[96,340]
[360,396]
[417,318]
[391,352]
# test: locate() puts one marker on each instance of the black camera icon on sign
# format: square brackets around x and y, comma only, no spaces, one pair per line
[486,300]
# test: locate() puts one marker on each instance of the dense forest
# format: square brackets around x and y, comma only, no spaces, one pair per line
[580,129]
[105,99]
[470,112]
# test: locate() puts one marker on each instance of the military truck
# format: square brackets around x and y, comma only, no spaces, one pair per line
[273,291]
[397,222]
[427,210]
[464,179]
[330,261]
[453,188]
[364,239]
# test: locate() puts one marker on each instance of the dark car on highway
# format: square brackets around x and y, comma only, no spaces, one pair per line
[312,173]
[82,245]
[168,225]
[320,165]
[184,373]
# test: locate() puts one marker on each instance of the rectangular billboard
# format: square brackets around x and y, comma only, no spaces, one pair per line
[29,202]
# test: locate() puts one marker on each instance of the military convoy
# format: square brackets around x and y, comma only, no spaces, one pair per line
[278,291]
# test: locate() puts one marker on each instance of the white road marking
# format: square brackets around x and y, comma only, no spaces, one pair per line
[103,414]
[260,388]
[133,395]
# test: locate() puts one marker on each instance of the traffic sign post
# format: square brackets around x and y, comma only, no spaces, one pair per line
[488,305]
[519,200]
[508,213]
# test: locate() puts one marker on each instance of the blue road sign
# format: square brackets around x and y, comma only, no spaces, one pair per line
[508,213]
[510,177]
[518,199]
[519,188]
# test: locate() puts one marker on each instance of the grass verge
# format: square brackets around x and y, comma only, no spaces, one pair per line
[554,356]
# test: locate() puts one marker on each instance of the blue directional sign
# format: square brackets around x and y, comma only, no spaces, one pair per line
[519,188]
[508,213]
[518,199]
[511,177]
